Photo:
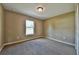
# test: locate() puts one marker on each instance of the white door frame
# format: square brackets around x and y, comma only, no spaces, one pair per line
[77,28]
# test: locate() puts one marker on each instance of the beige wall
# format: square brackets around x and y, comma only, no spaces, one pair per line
[15,26]
[1,25]
[61,27]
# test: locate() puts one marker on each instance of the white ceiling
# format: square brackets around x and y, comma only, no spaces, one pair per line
[51,9]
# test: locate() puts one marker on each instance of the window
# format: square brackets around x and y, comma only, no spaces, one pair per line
[29,27]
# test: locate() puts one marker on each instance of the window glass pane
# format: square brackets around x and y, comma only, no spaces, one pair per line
[29,23]
[29,31]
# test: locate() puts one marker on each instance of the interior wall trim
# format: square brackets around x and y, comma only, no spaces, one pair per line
[1,48]
[21,41]
[58,15]
[71,44]
[28,16]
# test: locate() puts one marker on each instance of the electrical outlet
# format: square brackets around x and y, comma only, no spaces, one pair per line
[18,37]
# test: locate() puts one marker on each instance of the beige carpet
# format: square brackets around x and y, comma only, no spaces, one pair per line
[39,47]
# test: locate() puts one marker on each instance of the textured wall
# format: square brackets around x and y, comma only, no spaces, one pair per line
[1,25]
[61,27]
[15,26]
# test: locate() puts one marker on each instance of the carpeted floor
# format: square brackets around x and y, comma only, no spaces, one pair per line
[39,47]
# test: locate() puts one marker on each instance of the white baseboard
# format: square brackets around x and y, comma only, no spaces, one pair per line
[61,41]
[1,48]
[35,38]
[17,42]
[21,41]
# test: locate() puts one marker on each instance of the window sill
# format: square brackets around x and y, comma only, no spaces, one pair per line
[30,35]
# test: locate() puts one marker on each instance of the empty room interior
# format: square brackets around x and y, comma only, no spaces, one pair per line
[38,29]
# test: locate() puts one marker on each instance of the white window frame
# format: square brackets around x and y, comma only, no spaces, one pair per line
[33,26]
